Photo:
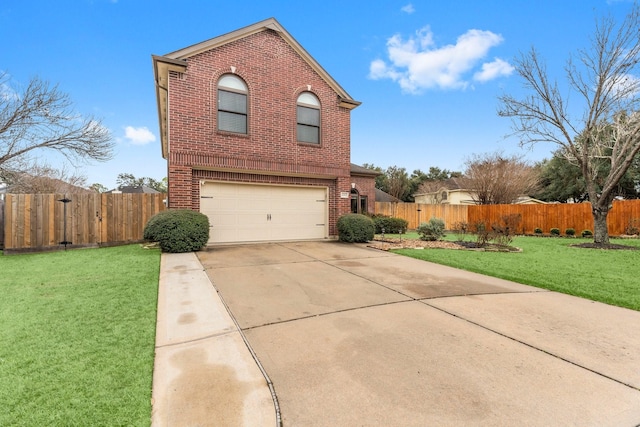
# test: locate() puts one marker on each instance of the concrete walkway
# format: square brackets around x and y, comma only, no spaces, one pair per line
[349,335]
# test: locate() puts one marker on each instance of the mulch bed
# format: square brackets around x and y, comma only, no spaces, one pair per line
[388,244]
[609,246]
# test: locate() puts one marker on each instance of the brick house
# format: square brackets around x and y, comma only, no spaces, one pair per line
[257,136]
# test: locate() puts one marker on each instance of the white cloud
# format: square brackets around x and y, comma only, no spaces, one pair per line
[418,64]
[139,136]
[408,9]
[493,70]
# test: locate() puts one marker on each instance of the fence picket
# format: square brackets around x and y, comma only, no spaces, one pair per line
[36,221]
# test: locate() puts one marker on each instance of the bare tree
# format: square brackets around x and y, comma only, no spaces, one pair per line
[40,119]
[43,179]
[497,179]
[607,130]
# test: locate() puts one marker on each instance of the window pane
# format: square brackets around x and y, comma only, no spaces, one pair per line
[363,204]
[308,134]
[232,82]
[232,122]
[308,98]
[308,116]
[354,204]
[229,101]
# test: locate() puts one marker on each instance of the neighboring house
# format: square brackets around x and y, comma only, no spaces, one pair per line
[257,136]
[452,191]
[381,196]
[138,189]
[447,192]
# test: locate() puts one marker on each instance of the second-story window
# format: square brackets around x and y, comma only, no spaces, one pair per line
[232,104]
[308,129]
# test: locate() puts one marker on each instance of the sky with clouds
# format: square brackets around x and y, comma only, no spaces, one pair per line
[428,73]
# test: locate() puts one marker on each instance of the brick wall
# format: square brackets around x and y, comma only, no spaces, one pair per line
[275,75]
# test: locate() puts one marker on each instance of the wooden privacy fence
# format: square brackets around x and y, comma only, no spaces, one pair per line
[562,216]
[415,213]
[34,222]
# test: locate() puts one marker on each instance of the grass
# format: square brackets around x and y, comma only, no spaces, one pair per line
[609,276]
[78,331]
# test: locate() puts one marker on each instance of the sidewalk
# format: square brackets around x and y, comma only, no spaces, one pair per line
[204,374]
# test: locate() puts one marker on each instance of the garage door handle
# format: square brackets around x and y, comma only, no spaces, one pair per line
[268,217]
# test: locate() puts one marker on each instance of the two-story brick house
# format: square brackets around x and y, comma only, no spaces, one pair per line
[257,136]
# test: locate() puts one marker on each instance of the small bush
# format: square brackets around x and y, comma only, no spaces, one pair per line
[504,231]
[587,233]
[482,232]
[537,230]
[633,227]
[570,232]
[390,224]
[355,228]
[555,231]
[461,229]
[178,230]
[432,230]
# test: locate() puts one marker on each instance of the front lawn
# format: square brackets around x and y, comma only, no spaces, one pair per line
[78,334]
[609,276]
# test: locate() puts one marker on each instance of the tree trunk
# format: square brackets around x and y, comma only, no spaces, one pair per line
[600,228]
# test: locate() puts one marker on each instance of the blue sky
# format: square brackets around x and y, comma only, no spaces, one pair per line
[428,73]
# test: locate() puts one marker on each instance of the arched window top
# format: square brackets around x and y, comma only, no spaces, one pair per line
[309,99]
[231,82]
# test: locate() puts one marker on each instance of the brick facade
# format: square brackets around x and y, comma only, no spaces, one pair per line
[275,74]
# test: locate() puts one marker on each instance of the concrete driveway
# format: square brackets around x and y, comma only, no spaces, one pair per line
[352,336]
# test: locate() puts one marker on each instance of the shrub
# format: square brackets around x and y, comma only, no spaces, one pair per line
[587,233]
[178,230]
[633,227]
[537,230]
[461,228]
[505,230]
[355,228]
[555,231]
[482,232]
[570,232]
[390,224]
[432,230]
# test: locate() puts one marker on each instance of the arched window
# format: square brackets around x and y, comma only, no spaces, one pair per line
[308,129]
[232,104]
[358,202]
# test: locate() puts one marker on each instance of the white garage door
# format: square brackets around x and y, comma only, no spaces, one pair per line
[252,213]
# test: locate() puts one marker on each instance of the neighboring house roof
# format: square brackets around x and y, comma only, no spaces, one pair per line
[134,189]
[381,196]
[359,170]
[176,61]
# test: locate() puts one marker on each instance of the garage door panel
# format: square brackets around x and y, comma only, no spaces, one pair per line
[245,212]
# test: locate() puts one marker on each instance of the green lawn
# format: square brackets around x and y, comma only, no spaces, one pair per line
[609,276]
[78,333]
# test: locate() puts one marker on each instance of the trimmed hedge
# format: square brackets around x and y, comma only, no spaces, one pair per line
[178,230]
[355,228]
[390,224]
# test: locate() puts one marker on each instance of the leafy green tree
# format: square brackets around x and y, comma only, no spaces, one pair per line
[129,180]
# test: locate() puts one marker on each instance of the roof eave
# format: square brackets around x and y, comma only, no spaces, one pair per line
[161,68]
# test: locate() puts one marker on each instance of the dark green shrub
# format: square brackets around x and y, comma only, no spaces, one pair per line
[587,233]
[432,230]
[390,224]
[179,230]
[570,232]
[355,228]
[555,231]
[537,230]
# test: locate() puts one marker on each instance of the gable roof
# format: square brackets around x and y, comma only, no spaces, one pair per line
[134,189]
[359,170]
[176,61]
